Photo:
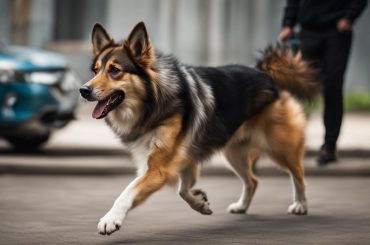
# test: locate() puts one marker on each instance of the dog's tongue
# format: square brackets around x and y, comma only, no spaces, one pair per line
[98,110]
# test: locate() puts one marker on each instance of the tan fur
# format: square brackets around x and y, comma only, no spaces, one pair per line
[131,84]
[97,47]
[165,161]
[146,58]
[290,71]
[279,132]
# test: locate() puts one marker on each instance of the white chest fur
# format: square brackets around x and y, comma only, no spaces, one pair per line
[140,150]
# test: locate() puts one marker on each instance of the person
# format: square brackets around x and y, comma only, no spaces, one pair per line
[326,36]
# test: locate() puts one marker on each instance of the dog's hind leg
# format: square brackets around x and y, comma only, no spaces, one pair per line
[242,160]
[290,158]
[299,206]
[196,198]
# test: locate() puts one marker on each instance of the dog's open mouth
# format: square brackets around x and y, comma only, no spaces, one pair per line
[105,106]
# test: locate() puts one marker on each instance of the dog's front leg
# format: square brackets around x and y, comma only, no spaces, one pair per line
[135,193]
[113,219]
[196,198]
[163,165]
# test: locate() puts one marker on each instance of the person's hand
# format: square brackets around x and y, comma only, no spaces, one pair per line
[286,33]
[344,25]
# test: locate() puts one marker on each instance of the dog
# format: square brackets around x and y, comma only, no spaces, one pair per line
[173,116]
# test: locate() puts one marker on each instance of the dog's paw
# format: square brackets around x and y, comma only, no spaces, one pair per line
[237,208]
[110,223]
[201,195]
[298,208]
[201,202]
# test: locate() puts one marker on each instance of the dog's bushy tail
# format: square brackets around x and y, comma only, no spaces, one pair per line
[290,71]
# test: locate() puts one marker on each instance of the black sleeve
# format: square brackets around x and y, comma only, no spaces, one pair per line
[291,13]
[355,9]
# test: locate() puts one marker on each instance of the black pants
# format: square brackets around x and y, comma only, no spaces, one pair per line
[329,51]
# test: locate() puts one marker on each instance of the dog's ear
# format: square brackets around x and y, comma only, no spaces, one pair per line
[100,38]
[139,44]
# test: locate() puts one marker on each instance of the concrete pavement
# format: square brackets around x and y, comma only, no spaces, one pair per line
[65,210]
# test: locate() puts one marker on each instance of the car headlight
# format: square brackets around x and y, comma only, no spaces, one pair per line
[43,77]
[6,76]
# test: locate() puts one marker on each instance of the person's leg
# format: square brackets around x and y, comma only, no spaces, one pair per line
[337,49]
[312,47]
[313,50]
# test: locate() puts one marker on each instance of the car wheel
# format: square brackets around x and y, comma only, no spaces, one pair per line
[29,142]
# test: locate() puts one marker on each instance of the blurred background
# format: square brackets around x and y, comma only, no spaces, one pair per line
[201,32]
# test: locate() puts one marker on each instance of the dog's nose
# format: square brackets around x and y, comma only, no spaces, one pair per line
[85,91]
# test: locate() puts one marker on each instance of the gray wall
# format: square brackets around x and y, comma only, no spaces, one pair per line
[215,32]
[42,23]
[4,22]
[358,75]
[201,31]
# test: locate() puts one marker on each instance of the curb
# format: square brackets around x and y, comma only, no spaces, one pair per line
[207,171]
[211,169]
[355,152]
[117,162]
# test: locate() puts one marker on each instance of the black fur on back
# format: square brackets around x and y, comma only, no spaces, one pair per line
[240,93]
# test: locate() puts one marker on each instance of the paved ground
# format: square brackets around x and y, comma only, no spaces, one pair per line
[65,210]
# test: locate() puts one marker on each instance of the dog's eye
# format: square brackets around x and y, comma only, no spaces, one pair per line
[95,70]
[113,70]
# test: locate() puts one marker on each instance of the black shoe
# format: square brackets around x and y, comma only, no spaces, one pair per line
[326,156]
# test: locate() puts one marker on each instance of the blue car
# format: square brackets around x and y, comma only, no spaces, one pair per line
[38,94]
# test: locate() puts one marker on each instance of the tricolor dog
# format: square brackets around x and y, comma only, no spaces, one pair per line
[173,116]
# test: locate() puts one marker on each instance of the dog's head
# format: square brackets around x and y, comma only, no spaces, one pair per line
[121,71]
